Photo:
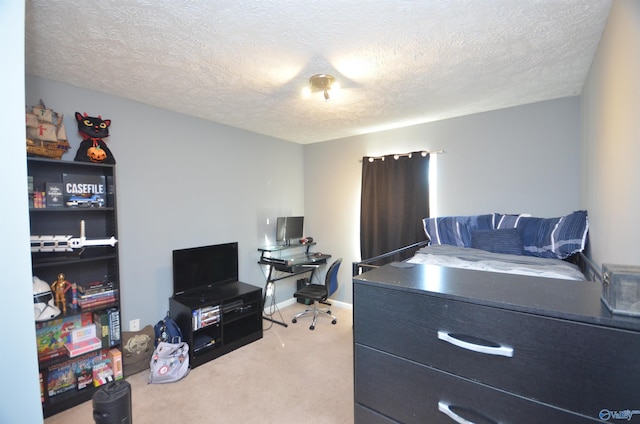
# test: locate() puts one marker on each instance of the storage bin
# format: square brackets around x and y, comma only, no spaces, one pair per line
[621,289]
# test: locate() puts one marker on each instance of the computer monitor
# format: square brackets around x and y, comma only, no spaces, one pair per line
[289,227]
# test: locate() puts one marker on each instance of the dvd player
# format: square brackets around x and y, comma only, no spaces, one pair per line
[227,307]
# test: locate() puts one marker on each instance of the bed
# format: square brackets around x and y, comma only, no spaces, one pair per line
[505,243]
[482,260]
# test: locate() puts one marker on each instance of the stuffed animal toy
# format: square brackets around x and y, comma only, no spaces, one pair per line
[93,148]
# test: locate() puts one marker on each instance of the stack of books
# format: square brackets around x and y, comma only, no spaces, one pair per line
[96,294]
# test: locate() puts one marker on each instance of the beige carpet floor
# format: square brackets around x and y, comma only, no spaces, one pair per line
[291,375]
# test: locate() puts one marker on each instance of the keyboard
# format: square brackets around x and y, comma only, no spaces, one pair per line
[275,261]
[300,259]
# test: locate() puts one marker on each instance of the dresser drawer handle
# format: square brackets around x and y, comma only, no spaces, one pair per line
[446,409]
[489,350]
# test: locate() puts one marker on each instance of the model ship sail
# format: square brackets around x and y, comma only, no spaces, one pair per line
[46,135]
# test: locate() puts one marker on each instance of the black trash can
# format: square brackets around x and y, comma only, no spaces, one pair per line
[112,403]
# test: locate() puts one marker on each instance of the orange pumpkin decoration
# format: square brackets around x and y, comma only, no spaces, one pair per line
[96,154]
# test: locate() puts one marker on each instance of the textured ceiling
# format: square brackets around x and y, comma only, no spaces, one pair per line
[244,62]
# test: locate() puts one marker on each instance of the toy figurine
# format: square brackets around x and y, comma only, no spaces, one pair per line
[60,288]
[74,296]
[93,131]
[44,307]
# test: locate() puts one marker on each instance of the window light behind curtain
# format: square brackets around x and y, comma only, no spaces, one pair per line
[395,199]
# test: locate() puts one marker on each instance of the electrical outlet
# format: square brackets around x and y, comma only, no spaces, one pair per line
[134,325]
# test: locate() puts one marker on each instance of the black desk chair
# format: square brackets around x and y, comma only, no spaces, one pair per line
[319,293]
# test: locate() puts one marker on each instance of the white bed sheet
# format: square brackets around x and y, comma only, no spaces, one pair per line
[476,259]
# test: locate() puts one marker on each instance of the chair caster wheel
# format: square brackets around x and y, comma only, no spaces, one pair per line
[328,312]
[334,322]
[311,327]
[294,320]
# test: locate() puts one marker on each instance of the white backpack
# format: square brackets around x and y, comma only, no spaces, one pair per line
[169,362]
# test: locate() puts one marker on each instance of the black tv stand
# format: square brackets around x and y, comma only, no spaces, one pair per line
[222,319]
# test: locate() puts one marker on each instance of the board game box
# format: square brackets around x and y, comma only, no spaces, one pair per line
[84,190]
[51,336]
[72,374]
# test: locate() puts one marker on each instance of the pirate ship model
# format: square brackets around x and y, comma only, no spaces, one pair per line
[46,135]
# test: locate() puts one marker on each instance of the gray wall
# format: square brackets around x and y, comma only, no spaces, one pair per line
[523,159]
[182,182]
[611,152]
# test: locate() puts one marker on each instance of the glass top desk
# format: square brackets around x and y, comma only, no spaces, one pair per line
[285,262]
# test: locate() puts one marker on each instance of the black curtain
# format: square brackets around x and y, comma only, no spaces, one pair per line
[395,199]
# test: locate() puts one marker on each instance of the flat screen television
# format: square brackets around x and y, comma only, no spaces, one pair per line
[197,269]
[289,227]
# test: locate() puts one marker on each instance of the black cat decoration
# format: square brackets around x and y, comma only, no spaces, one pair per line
[93,131]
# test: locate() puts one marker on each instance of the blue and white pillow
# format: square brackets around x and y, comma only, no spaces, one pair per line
[508,220]
[550,237]
[456,230]
[508,240]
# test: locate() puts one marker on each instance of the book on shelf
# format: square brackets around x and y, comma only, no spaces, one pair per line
[87,300]
[52,354]
[97,293]
[107,298]
[97,296]
[95,287]
[39,200]
[92,303]
[101,320]
[97,303]
[41,388]
[114,326]
[54,196]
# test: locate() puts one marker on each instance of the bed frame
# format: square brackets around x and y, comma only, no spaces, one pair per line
[375,262]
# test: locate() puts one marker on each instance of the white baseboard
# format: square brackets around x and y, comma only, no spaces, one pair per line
[293,300]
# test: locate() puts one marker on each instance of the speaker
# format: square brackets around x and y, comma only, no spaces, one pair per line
[112,403]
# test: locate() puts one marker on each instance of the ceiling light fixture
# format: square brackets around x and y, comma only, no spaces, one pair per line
[322,82]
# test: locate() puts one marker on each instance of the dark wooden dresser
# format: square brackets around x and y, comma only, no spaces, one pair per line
[444,345]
